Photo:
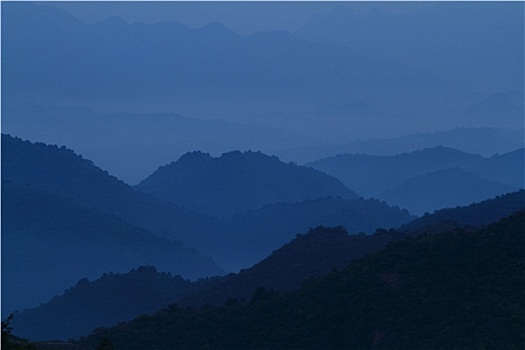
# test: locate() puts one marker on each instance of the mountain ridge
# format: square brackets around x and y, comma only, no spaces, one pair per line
[237,182]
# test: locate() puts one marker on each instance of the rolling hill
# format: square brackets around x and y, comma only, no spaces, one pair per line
[58,170]
[477,214]
[252,236]
[442,189]
[237,182]
[310,255]
[373,175]
[461,289]
[49,242]
[104,302]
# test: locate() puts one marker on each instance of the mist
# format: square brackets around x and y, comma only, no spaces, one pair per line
[264,174]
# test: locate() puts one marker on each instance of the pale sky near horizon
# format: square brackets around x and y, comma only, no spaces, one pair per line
[243,17]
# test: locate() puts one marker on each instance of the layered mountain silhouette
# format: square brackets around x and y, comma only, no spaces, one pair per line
[104,302]
[49,241]
[312,254]
[168,64]
[60,171]
[477,214]
[132,145]
[483,141]
[375,175]
[442,189]
[237,182]
[418,37]
[458,285]
[255,234]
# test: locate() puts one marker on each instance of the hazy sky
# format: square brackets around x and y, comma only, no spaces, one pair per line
[243,17]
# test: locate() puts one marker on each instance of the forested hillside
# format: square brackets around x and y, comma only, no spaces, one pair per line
[237,182]
[59,170]
[398,298]
[104,302]
[49,242]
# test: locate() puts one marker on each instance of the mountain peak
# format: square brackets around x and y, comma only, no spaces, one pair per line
[238,181]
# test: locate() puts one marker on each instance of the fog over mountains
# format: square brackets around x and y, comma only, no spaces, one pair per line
[154,91]
[262,175]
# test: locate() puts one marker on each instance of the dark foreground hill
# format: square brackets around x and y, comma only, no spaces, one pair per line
[313,254]
[463,289]
[237,182]
[49,242]
[117,298]
[111,299]
[476,214]
[250,237]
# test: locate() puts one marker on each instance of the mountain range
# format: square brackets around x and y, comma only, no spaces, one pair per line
[450,290]
[73,189]
[104,302]
[49,241]
[490,35]
[310,255]
[399,179]
[237,182]
[274,67]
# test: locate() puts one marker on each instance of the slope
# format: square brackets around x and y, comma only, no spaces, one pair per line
[237,182]
[104,302]
[316,253]
[372,175]
[247,238]
[457,290]
[60,171]
[442,189]
[483,141]
[313,254]
[476,214]
[49,242]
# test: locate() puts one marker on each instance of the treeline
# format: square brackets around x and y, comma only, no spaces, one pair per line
[462,289]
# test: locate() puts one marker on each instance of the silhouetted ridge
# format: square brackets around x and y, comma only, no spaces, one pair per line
[309,255]
[442,189]
[381,176]
[476,214]
[52,193]
[461,289]
[104,302]
[60,171]
[238,181]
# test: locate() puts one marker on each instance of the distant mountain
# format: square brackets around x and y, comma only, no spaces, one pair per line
[60,171]
[167,66]
[483,141]
[104,302]
[481,37]
[237,182]
[148,139]
[456,290]
[476,214]
[372,175]
[503,109]
[442,189]
[49,242]
[248,238]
